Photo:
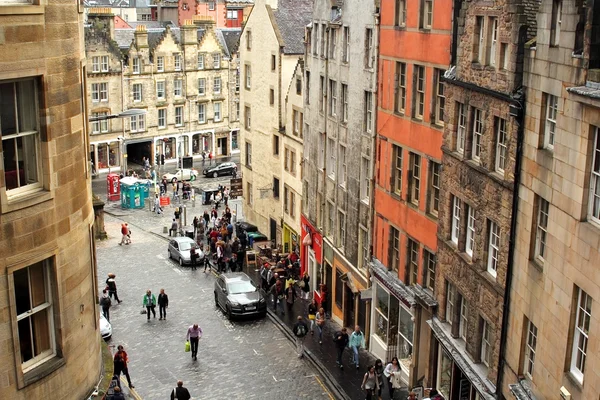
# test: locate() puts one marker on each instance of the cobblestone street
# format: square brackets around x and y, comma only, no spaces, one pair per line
[236,360]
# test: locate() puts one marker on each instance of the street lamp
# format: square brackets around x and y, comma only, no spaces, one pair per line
[132,112]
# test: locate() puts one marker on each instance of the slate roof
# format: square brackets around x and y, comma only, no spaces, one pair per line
[239,1]
[232,39]
[591,89]
[291,17]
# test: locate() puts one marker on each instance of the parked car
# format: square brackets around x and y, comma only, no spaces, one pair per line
[182,174]
[179,250]
[237,295]
[226,168]
[105,327]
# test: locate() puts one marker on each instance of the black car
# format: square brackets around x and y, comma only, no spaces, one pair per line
[236,294]
[226,168]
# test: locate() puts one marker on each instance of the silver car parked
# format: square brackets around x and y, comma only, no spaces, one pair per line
[179,250]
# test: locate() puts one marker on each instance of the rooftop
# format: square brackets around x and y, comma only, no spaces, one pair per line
[291,17]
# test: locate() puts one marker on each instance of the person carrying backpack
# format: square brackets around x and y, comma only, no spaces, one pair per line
[340,338]
[300,330]
[105,303]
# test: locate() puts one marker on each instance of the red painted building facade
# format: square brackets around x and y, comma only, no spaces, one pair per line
[415,42]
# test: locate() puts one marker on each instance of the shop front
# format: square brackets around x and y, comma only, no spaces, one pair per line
[105,155]
[290,239]
[311,252]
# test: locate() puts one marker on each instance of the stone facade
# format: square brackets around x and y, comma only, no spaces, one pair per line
[271,144]
[49,319]
[185,78]
[557,241]
[340,112]
[480,147]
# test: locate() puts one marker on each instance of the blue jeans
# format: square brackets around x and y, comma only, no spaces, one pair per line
[355,355]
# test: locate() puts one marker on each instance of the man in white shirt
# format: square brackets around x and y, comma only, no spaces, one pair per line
[194,333]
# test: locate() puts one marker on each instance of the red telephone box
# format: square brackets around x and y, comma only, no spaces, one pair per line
[113,187]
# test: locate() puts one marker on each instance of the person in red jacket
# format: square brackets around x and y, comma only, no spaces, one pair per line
[126,238]
[120,365]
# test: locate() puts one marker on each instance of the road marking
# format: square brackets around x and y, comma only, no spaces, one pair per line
[178,271]
[131,391]
[324,388]
[281,380]
[256,352]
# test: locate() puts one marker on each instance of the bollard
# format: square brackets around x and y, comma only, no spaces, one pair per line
[193,194]
[183,210]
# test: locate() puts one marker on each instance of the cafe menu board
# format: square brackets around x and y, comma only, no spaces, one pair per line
[236,188]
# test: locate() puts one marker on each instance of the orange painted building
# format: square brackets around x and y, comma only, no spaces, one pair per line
[414,46]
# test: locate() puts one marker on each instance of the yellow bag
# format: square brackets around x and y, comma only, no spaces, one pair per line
[187,347]
[312,317]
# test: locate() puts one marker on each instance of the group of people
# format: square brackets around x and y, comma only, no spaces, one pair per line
[149,302]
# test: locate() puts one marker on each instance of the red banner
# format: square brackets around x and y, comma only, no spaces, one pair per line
[312,238]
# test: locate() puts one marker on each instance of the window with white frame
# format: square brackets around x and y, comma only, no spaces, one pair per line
[217,85]
[341,232]
[160,90]
[455,232]
[440,98]
[217,111]
[430,267]
[486,344]
[550,120]
[477,134]
[426,17]
[247,117]
[346,44]
[365,182]
[332,43]
[451,299]
[96,64]
[248,154]
[160,64]
[179,116]
[478,40]
[323,94]
[400,87]
[331,160]
[493,40]
[100,126]
[137,92]
[419,74]
[20,133]
[363,247]
[594,201]
[297,119]
[177,61]
[464,315]
[397,170]
[216,61]
[200,61]
[493,248]
[323,40]
[394,256]
[201,86]
[177,87]
[530,345]
[555,22]
[412,262]
[344,102]
[501,145]
[368,112]
[232,14]
[470,240]
[137,123]
[316,39]
[162,118]
[330,218]
[581,335]
[414,178]
[369,57]
[400,13]
[342,166]
[434,188]
[104,63]
[248,75]
[249,194]
[99,92]
[201,113]
[321,151]
[237,110]
[541,231]
[34,311]
[461,127]
[248,39]
[211,6]
[332,98]
[135,65]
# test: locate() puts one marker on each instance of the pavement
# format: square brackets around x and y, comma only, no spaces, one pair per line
[227,349]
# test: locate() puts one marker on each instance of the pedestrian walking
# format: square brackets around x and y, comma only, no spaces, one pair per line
[120,361]
[312,315]
[370,384]
[305,286]
[149,301]
[357,341]
[193,256]
[163,304]
[290,297]
[392,373]
[278,294]
[157,207]
[180,393]
[117,394]
[203,157]
[174,228]
[111,286]
[379,372]
[340,339]
[320,318]
[105,303]
[300,330]
[226,195]
[194,333]
[125,234]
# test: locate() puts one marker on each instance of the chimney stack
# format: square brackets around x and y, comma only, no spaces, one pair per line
[106,17]
[141,37]
[189,33]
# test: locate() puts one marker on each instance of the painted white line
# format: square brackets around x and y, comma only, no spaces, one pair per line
[256,352]
[178,271]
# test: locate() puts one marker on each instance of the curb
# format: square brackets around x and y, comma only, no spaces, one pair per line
[330,381]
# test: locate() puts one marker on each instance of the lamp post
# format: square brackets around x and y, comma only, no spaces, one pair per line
[133,112]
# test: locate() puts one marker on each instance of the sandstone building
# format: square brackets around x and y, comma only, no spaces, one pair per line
[340,117]
[185,78]
[49,332]
[410,124]
[481,142]
[553,329]
[271,97]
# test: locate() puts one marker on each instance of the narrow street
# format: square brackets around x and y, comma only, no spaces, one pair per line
[239,359]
